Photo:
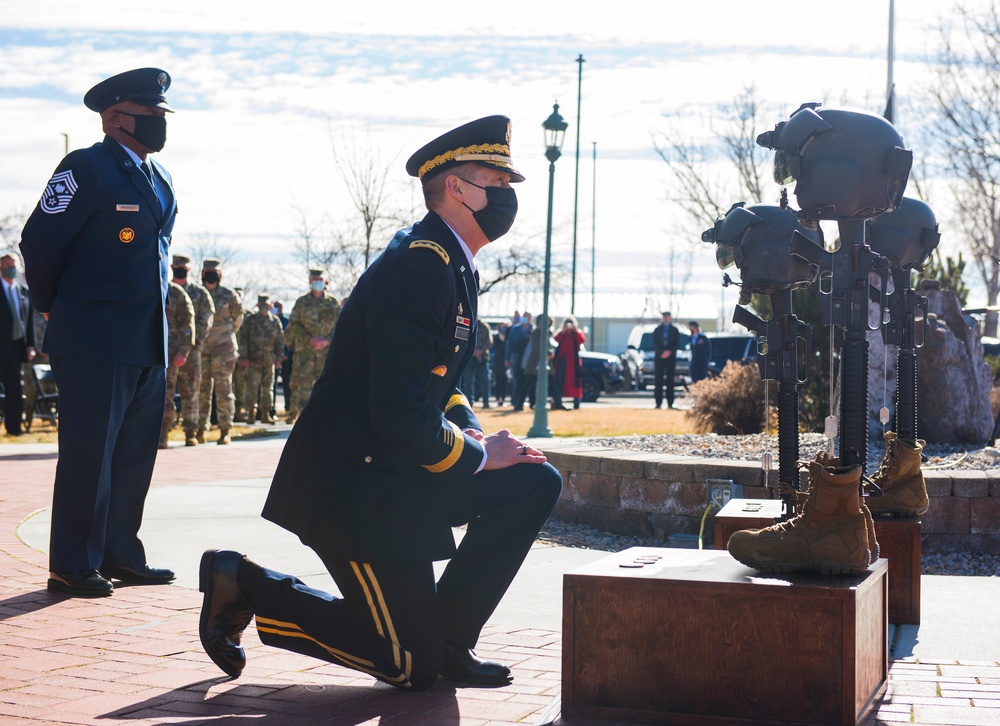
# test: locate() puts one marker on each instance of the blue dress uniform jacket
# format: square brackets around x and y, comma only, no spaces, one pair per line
[95,257]
[364,469]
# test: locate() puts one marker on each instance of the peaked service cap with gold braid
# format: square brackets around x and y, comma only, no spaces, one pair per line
[485,141]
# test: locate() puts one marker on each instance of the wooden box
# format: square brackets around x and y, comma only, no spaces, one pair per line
[744,514]
[898,539]
[694,637]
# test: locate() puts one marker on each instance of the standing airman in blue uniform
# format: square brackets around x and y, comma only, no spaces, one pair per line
[95,257]
[387,456]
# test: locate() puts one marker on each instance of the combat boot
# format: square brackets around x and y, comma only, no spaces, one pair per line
[251,415]
[190,438]
[200,436]
[240,416]
[899,476]
[265,417]
[830,536]
[223,437]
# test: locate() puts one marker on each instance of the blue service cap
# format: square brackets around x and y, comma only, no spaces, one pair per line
[485,142]
[144,86]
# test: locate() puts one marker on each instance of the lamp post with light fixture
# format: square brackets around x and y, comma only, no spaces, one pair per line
[555,130]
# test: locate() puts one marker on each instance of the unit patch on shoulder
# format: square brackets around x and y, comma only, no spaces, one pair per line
[431,245]
[58,192]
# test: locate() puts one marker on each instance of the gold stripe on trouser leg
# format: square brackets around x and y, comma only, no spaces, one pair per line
[380,613]
[291,630]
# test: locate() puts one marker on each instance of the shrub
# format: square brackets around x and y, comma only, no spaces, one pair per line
[732,403]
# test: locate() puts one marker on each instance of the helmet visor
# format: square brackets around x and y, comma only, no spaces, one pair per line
[725,255]
[786,167]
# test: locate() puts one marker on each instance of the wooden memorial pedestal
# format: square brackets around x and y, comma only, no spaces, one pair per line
[673,636]
[898,539]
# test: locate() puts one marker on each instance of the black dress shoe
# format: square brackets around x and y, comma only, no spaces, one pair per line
[80,583]
[461,665]
[140,575]
[225,613]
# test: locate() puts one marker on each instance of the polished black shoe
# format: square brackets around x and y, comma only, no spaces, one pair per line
[80,583]
[225,613]
[461,665]
[140,575]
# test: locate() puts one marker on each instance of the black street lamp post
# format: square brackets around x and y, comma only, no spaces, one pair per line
[555,130]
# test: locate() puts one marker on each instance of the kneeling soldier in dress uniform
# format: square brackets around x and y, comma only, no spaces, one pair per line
[387,456]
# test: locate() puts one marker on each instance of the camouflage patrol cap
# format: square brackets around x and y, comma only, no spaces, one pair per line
[182,260]
[263,300]
[211,264]
[316,274]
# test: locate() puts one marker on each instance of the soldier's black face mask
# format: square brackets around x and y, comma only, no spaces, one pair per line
[180,273]
[150,131]
[496,218]
[210,277]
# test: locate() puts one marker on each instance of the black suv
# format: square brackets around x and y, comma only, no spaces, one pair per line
[740,347]
[599,373]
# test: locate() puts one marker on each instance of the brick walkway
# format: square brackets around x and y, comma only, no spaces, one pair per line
[136,656]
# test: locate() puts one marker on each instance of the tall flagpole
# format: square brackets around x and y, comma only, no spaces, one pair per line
[576,183]
[593,251]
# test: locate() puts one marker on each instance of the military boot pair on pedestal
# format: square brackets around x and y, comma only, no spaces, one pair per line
[833,532]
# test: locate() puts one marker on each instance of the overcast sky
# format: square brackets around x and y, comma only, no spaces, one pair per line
[262,88]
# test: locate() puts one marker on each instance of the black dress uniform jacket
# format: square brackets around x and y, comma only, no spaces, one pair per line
[95,258]
[363,471]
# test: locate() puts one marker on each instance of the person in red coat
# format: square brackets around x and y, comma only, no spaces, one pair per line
[567,363]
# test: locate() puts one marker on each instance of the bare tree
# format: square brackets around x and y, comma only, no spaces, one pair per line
[318,244]
[509,263]
[965,91]
[365,174]
[208,245]
[701,190]
[10,232]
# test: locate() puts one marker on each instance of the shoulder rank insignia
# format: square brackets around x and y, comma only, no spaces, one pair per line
[58,192]
[431,245]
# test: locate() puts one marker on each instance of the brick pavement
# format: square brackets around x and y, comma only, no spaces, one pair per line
[136,656]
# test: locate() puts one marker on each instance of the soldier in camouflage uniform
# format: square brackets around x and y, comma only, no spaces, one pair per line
[310,327]
[262,346]
[218,357]
[189,376]
[240,371]
[180,340]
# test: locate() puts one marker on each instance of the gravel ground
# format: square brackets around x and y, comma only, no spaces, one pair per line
[750,448]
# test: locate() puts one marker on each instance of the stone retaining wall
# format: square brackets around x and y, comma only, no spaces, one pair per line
[658,495]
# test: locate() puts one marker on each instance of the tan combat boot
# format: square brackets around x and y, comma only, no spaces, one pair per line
[265,417]
[240,416]
[190,438]
[200,436]
[223,437]
[904,492]
[830,536]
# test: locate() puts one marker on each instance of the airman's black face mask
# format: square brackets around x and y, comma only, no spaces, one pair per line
[150,131]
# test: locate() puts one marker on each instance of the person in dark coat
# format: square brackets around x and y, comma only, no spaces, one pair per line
[701,352]
[17,342]
[666,340]
[95,255]
[380,466]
